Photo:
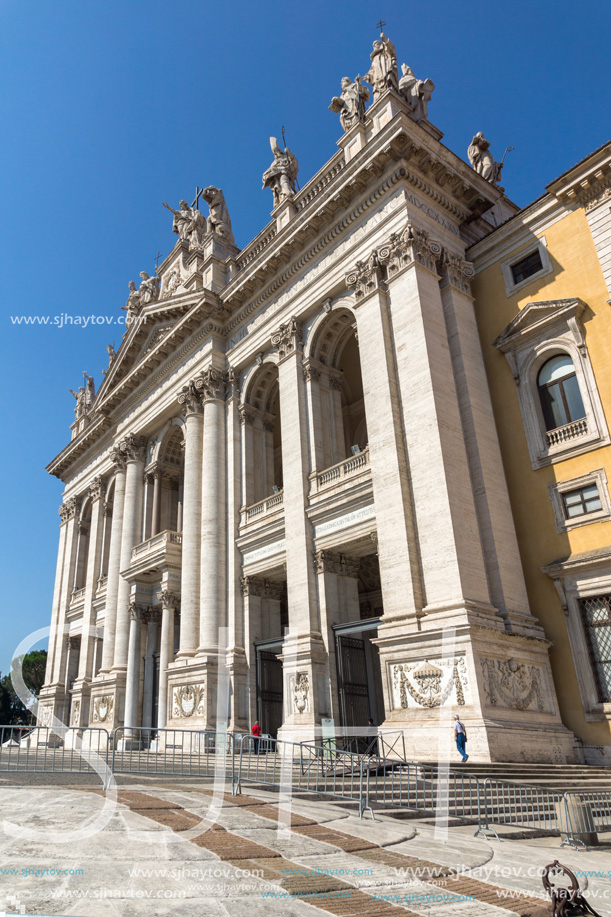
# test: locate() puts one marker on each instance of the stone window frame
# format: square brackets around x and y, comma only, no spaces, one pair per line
[540,331]
[556,491]
[585,576]
[540,245]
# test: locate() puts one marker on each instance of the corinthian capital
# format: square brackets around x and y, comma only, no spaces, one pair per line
[67,510]
[457,272]
[191,398]
[133,447]
[366,277]
[169,600]
[212,384]
[413,245]
[288,338]
[96,488]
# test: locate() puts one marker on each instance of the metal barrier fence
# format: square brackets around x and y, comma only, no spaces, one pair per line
[367,744]
[364,777]
[179,752]
[423,787]
[64,749]
[302,767]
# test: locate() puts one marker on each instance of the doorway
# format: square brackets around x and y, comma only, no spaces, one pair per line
[269,688]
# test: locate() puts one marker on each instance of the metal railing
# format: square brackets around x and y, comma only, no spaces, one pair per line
[369,744]
[180,752]
[520,805]
[422,787]
[302,767]
[63,749]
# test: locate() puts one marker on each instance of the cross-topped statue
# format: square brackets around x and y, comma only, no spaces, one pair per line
[380,25]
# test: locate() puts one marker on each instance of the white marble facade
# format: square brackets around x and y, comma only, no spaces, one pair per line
[294,458]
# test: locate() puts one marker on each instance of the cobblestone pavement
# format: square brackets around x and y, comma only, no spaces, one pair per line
[174,848]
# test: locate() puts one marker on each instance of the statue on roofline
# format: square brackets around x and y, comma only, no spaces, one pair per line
[282,173]
[417,93]
[218,221]
[149,288]
[189,224]
[350,105]
[482,160]
[383,73]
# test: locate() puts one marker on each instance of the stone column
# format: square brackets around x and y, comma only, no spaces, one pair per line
[134,449]
[70,514]
[152,619]
[338,598]
[401,584]
[88,636]
[316,426]
[304,656]
[54,635]
[191,528]
[133,666]
[247,420]
[491,497]
[213,596]
[179,512]
[169,603]
[114,562]
[156,502]
[448,538]
[235,610]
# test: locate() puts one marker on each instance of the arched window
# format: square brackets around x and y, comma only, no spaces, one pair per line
[561,399]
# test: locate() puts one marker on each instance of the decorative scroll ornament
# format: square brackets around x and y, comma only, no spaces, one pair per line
[212,383]
[300,692]
[263,588]
[233,383]
[102,708]
[288,338]
[411,245]
[567,901]
[96,488]
[188,701]
[246,416]
[133,447]
[340,564]
[191,398]
[169,600]
[366,277]
[67,510]
[509,684]
[458,272]
[429,684]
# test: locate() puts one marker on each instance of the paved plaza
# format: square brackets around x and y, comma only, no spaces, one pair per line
[177,847]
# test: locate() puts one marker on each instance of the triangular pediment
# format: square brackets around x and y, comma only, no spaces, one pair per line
[535,316]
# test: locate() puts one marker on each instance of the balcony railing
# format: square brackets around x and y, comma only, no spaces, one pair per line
[156,543]
[336,474]
[102,582]
[78,595]
[568,432]
[262,508]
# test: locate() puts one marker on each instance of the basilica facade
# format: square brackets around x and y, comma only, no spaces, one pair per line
[287,500]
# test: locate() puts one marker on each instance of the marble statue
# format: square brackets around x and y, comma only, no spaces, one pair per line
[281,175]
[80,408]
[351,104]
[149,288]
[89,391]
[383,73]
[110,349]
[132,306]
[189,224]
[482,161]
[417,93]
[218,221]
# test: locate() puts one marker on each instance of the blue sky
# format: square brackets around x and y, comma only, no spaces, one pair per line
[109,108]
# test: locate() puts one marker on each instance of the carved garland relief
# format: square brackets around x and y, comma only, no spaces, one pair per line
[507,683]
[428,683]
[188,700]
[102,708]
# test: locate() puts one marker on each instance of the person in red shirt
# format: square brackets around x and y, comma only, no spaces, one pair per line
[256,731]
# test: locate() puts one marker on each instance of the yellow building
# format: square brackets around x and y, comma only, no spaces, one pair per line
[542,288]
